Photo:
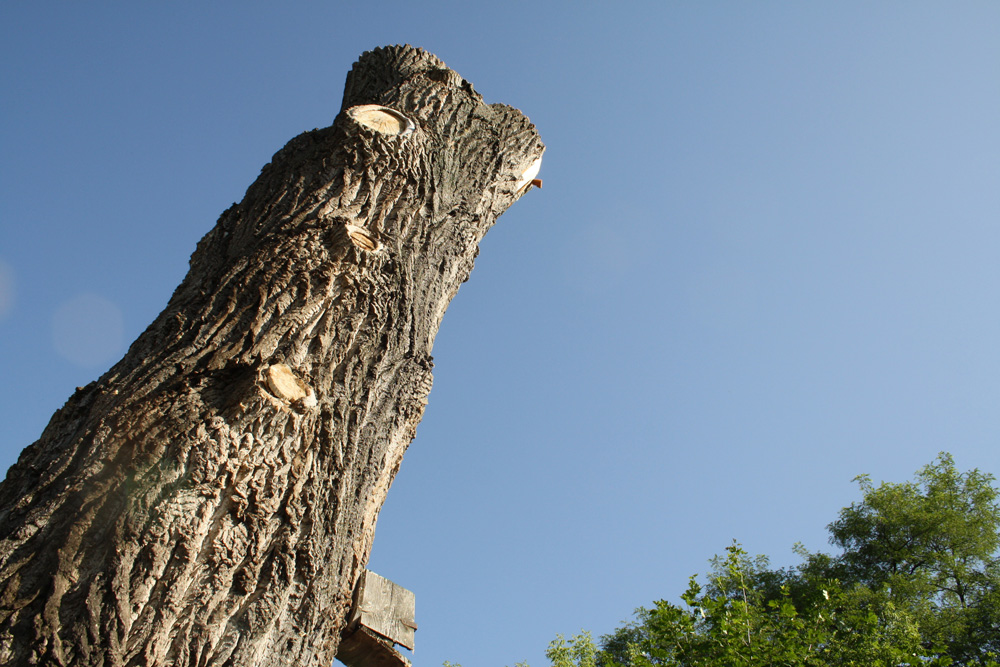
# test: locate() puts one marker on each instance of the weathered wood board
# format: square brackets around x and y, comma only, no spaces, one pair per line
[364,648]
[385,608]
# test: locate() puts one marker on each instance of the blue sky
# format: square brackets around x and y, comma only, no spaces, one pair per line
[765,260]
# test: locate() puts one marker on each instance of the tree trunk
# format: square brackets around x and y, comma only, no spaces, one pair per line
[211,500]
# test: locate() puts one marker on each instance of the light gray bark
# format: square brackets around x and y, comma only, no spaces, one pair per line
[190,509]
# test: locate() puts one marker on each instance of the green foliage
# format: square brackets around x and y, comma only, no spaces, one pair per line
[930,547]
[943,527]
[579,651]
[733,621]
[917,583]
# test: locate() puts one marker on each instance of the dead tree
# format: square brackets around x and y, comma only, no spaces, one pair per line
[211,499]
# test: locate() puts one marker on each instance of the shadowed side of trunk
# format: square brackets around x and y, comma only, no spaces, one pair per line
[212,498]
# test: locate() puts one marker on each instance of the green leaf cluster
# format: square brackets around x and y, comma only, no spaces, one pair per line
[916,583]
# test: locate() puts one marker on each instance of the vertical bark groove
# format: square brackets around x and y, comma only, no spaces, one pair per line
[181,510]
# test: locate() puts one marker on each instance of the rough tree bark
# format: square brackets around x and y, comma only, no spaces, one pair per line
[211,500]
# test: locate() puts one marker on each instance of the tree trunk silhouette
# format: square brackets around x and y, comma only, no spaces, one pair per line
[211,499]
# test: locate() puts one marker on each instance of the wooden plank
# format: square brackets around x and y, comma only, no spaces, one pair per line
[387,609]
[364,648]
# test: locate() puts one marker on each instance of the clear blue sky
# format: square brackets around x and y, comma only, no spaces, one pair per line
[766,259]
